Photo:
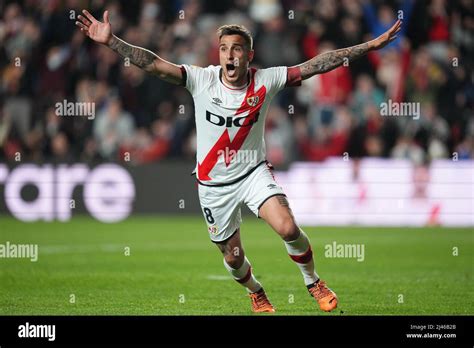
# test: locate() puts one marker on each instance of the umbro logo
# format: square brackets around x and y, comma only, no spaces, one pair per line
[216,101]
[271,186]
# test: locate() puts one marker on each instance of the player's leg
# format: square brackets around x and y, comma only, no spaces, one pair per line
[277,213]
[221,210]
[237,263]
[268,201]
[240,268]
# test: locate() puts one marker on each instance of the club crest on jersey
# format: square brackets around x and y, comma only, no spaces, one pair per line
[253,100]
[213,230]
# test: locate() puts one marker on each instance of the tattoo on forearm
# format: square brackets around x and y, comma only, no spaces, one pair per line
[137,55]
[330,60]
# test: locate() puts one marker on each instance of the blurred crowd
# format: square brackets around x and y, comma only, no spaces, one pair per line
[45,59]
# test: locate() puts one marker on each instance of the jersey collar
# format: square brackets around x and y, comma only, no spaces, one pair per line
[233,88]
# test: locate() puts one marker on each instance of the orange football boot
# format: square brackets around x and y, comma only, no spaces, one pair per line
[260,302]
[326,298]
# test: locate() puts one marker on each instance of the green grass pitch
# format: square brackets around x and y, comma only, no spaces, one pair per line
[173,269]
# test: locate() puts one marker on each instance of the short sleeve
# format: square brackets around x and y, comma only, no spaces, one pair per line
[196,79]
[274,78]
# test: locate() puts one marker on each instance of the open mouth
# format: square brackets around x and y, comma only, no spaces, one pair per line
[230,70]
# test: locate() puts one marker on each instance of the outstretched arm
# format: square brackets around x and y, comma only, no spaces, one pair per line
[101,32]
[330,60]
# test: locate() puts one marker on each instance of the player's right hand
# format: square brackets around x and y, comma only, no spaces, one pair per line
[97,31]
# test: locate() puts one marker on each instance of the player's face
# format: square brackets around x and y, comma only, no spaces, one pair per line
[234,59]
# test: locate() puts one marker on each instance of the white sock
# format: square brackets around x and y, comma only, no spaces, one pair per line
[244,276]
[300,252]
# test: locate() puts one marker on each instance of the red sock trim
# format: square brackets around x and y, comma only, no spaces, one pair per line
[246,278]
[303,258]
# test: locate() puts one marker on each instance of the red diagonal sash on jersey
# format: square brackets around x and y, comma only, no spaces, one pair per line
[224,142]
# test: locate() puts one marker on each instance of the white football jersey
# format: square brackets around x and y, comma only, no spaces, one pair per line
[230,122]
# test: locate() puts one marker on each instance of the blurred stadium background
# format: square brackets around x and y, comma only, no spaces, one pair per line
[340,161]
[332,124]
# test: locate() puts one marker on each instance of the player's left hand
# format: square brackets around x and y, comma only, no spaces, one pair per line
[387,37]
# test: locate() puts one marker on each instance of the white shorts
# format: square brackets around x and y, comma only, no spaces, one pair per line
[221,205]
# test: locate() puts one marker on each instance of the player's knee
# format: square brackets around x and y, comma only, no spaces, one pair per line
[287,229]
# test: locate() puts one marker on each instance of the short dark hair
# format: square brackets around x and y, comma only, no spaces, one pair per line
[236,29]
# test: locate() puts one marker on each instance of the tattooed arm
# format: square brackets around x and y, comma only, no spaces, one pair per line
[101,32]
[147,60]
[330,60]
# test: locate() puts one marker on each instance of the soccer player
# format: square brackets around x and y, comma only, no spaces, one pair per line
[231,101]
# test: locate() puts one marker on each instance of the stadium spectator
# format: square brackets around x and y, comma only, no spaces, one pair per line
[45,60]
[112,127]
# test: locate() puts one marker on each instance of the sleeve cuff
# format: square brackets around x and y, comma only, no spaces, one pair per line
[293,77]
[184,76]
